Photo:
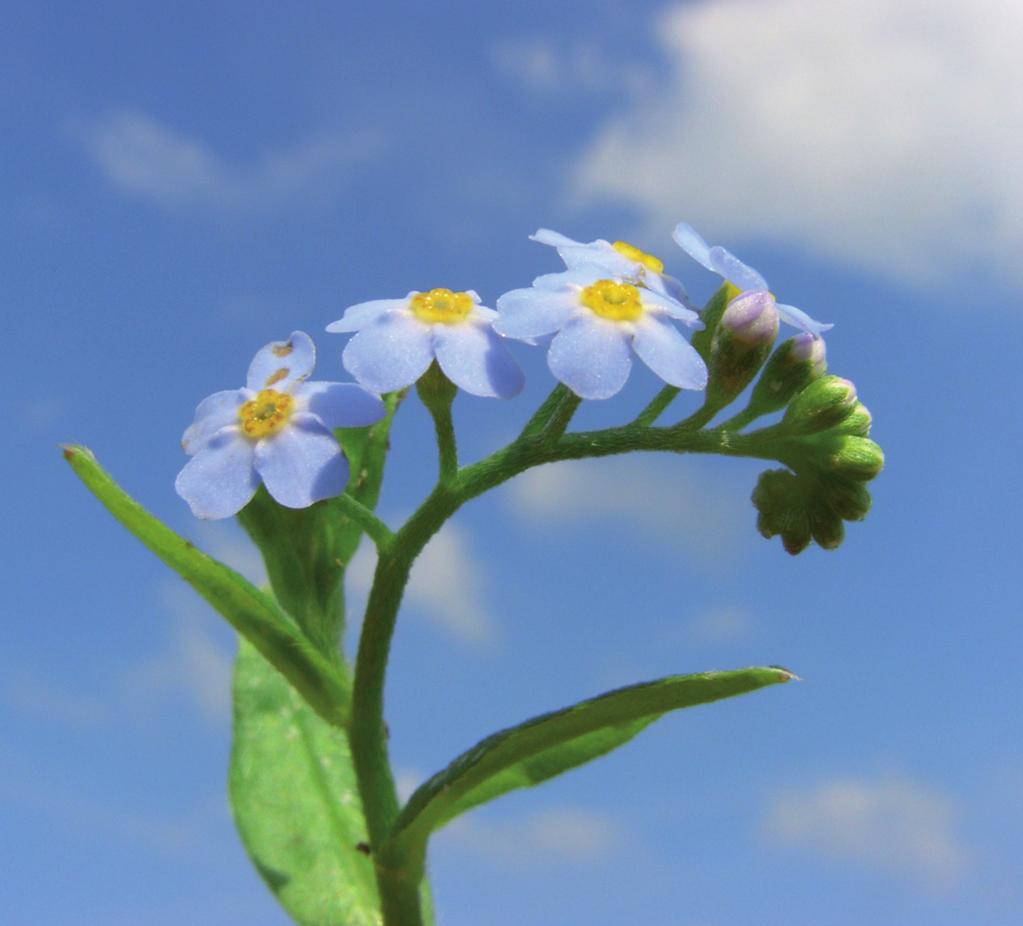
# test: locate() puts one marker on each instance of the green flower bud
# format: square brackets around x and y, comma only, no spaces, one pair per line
[855,457]
[849,499]
[740,346]
[858,423]
[780,498]
[808,505]
[823,404]
[792,367]
[826,527]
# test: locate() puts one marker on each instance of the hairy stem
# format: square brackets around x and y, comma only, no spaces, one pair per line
[398,881]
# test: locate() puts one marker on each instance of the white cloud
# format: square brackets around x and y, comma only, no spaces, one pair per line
[656,498]
[446,586]
[194,664]
[142,157]
[559,835]
[892,824]
[883,133]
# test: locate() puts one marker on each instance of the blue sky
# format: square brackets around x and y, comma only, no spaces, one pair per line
[184,183]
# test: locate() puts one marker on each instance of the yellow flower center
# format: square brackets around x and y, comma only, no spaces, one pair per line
[441,305]
[266,414]
[618,302]
[633,253]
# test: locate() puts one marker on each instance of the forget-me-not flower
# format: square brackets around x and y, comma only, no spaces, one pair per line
[600,320]
[398,339]
[727,266]
[620,259]
[277,430]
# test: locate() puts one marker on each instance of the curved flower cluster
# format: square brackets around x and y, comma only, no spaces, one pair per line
[611,303]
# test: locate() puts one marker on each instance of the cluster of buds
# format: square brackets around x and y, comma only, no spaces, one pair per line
[822,436]
[831,458]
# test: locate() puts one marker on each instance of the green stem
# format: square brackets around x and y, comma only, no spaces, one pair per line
[657,405]
[400,896]
[377,530]
[542,415]
[560,418]
[447,448]
[367,731]
[738,421]
[437,393]
[398,878]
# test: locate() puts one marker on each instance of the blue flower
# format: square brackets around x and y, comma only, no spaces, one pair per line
[620,259]
[398,339]
[600,320]
[277,430]
[727,266]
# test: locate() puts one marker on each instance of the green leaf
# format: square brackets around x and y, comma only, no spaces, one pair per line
[295,802]
[254,614]
[553,743]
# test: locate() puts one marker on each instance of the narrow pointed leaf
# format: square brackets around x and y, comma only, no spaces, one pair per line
[254,614]
[553,743]
[295,802]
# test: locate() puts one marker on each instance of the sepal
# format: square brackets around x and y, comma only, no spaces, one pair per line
[741,343]
[824,403]
[795,364]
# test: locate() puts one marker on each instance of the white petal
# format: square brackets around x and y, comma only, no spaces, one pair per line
[591,356]
[531,313]
[341,405]
[583,275]
[475,359]
[363,314]
[482,313]
[553,239]
[665,305]
[220,479]
[799,319]
[302,463]
[687,238]
[727,265]
[213,413]
[666,285]
[390,354]
[281,364]
[660,345]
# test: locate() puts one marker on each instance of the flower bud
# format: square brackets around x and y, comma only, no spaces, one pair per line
[740,346]
[780,499]
[827,528]
[823,404]
[711,317]
[791,368]
[751,319]
[858,423]
[854,457]
[849,499]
